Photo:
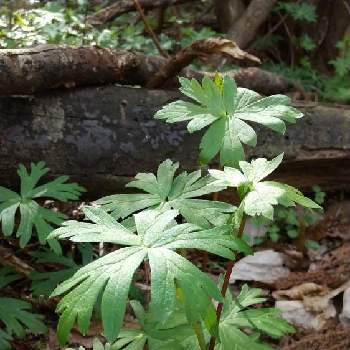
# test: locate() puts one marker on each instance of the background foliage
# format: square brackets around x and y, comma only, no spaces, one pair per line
[284,43]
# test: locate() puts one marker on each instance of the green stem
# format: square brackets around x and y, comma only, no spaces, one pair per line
[226,283]
[195,325]
[199,334]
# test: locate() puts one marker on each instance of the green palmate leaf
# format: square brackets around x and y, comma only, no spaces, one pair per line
[226,109]
[234,338]
[32,215]
[43,283]
[299,11]
[175,335]
[260,197]
[5,339]
[168,191]
[157,238]
[157,336]
[237,316]
[7,275]
[16,316]
[212,141]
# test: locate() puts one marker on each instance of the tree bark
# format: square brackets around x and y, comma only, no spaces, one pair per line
[123,6]
[338,23]
[245,29]
[27,71]
[102,136]
[228,12]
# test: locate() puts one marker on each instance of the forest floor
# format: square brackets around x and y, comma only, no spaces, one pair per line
[311,287]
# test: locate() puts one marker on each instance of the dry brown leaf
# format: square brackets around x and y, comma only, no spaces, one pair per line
[311,305]
[299,292]
[199,48]
[218,46]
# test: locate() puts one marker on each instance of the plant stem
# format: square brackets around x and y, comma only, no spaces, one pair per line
[226,283]
[199,333]
[150,30]
[197,327]
[147,279]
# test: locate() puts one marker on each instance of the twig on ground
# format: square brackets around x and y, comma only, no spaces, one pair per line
[8,258]
[149,29]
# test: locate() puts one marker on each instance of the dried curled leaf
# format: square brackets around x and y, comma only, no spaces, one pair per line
[219,46]
[199,48]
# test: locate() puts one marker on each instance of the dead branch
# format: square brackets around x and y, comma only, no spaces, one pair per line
[123,6]
[27,71]
[8,258]
[199,48]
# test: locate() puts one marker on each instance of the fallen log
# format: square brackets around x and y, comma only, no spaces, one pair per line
[102,136]
[27,71]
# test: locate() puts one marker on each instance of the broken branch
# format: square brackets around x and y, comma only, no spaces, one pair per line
[48,67]
[109,13]
[198,48]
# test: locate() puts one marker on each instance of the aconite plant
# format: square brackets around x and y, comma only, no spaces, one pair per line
[153,230]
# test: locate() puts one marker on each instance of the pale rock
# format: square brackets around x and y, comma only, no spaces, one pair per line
[266,266]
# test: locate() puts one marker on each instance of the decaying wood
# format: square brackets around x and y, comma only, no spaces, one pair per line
[199,48]
[8,258]
[103,136]
[123,6]
[244,30]
[26,71]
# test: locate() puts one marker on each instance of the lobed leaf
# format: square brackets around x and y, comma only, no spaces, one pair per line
[7,275]
[16,316]
[32,215]
[225,109]
[237,316]
[260,197]
[5,339]
[157,237]
[167,191]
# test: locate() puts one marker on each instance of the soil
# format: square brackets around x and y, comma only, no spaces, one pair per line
[329,268]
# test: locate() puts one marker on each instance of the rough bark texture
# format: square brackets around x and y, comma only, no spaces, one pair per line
[244,30]
[228,12]
[103,136]
[336,25]
[123,6]
[26,71]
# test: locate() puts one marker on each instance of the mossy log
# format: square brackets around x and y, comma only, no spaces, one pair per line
[103,136]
